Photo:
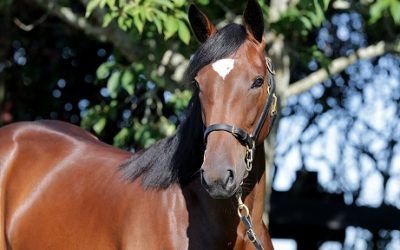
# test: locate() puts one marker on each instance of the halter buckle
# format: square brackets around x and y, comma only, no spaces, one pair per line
[249,156]
[270,66]
[251,235]
[273,106]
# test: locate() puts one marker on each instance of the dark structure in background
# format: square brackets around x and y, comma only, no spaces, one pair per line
[311,216]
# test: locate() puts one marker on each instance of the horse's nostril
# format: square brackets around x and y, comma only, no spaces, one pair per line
[223,180]
[230,180]
[203,180]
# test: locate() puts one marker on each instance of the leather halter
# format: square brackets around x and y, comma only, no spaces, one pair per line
[241,134]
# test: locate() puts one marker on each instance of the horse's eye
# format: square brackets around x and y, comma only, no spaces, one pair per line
[258,82]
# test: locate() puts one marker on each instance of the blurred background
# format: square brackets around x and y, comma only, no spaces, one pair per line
[115,68]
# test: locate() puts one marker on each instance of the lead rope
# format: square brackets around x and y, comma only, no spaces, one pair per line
[244,215]
[242,210]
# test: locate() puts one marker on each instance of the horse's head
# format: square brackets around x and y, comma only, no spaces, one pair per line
[234,82]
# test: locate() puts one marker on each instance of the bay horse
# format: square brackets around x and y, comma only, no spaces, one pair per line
[202,188]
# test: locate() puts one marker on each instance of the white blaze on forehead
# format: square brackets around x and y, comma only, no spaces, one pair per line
[223,67]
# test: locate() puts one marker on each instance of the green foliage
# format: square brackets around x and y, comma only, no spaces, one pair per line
[298,23]
[168,18]
[303,17]
[130,92]
[154,25]
[203,2]
[180,99]
[5,3]
[380,7]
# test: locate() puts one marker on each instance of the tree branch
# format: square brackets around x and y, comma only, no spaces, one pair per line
[340,64]
[112,34]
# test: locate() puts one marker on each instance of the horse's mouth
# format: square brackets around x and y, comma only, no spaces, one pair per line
[217,191]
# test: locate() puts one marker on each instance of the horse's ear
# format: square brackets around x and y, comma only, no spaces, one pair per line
[253,20]
[202,27]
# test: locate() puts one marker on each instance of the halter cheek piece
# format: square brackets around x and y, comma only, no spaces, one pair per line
[249,140]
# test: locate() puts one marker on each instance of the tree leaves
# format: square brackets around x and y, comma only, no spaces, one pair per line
[379,7]
[127,82]
[184,32]
[134,101]
[91,6]
[171,25]
[395,11]
[103,71]
[113,84]
[100,125]
[304,17]
[167,17]
[203,2]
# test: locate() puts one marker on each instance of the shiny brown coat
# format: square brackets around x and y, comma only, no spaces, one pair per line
[61,189]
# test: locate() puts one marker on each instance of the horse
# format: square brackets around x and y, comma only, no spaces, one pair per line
[202,188]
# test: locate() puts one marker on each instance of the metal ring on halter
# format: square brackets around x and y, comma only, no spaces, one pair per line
[242,207]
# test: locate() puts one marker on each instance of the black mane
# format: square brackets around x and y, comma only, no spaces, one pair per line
[177,159]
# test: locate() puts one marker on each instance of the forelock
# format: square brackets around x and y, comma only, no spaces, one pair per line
[222,44]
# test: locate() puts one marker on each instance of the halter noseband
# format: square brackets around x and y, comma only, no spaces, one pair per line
[249,140]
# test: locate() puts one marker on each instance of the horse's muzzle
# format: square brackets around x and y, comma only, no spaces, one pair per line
[221,185]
